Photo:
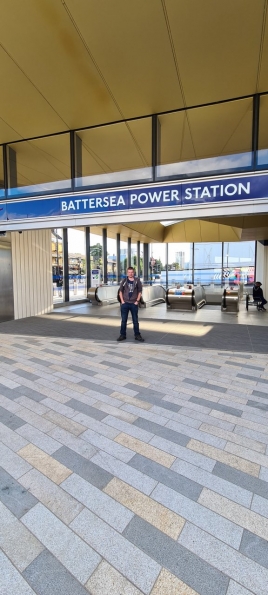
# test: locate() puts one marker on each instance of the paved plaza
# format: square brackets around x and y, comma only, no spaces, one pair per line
[130,469]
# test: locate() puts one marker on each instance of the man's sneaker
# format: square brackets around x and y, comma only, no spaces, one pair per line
[139,338]
[264,309]
[121,338]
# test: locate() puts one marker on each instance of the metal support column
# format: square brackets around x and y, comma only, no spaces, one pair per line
[138,271]
[88,261]
[76,157]
[166,265]
[155,145]
[129,252]
[66,266]
[145,262]
[104,254]
[255,130]
[118,262]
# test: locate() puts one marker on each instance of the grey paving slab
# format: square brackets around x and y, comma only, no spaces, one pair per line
[131,429]
[14,496]
[115,514]
[101,442]
[161,361]
[13,463]
[7,360]
[188,567]
[201,363]
[217,406]
[40,362]
[150,392]
[261,406]
[177,482]
[87,409]
[258,393]
[234,564]
[206,385]
[202,517]
[162,431]
[96,387]
[194,382]
[29,392]
[20,346]
[114,365]
[82,370]
[236,589]
[11,581]
[10,420]
[25,374]
[216,484]
[133,563]
[83,467]
[80,559]
[47,576]
[241,479]
[260,505]
[255,548]
[123,471]
[40,439]
[186,454]
[254,378]
[60,343]
[52,351]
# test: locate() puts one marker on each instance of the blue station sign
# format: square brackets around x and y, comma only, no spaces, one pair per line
[177,194]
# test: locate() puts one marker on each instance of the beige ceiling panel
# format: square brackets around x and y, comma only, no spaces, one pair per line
[254,234]
[221,129]
[133,231]
[24,111]
[217,47]
[195,230]
[44,42]
[152,230]
[115,148]
[250,221]
[43,160]
[262,81]
[130,43]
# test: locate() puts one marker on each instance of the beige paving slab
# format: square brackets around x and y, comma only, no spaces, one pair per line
[108,581]
[65,422]
[248,519]
[44,463]
[168,584]
[156,514]
[56,499]
[233,437]
[247,453]
[224,457]
[151,452]
[131,400]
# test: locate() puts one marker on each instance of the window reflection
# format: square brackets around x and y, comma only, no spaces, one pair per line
[262,159]
[77,264]
[57,265]
[239,263]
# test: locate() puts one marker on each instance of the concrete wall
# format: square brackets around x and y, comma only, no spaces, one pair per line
[32,272]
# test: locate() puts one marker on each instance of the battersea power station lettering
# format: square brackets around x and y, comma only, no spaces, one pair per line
[184,194]
[214,190]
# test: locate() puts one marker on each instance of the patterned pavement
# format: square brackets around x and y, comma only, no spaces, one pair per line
[131,469]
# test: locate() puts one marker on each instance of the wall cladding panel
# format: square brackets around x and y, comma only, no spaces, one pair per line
[32,280]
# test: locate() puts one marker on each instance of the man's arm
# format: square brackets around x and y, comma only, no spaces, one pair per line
[121,297]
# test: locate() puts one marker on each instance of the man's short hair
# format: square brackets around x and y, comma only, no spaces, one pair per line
[130,269]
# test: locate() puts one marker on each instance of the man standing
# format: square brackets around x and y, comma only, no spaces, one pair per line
[130,294]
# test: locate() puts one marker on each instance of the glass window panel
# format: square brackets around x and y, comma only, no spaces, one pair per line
[134,256]
[123,259]
[158,263]
[180,265]
[239,262]
[2,184]
[57,265]
[39,166]
[77,264]
[208,263]
[206,140]
[111,260]
[96,254]
[116,153]
[262,159]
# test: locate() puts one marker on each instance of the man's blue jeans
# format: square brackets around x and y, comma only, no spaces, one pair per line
[125,309]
